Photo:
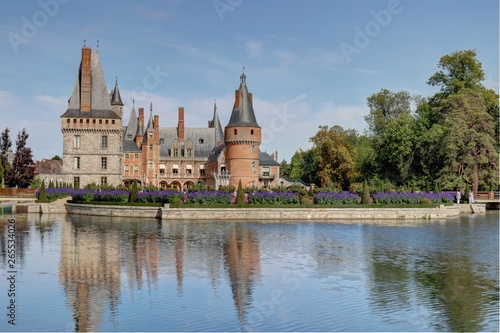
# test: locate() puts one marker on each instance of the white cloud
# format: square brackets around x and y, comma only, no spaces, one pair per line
[254,49]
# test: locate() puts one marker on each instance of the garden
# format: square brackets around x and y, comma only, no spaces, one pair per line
[292,197]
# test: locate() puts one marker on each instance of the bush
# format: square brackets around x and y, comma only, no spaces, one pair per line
[133,192]
[42,194]
[285,198]
[365,197]
[425,201]
[342,198]
[305,201]
[177,202]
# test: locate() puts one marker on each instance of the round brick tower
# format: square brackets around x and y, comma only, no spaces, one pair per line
[242,137]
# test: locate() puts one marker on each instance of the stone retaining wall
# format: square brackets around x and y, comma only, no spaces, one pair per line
[292,214]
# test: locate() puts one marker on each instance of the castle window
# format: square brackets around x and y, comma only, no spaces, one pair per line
[129,136]
[88,121]
[74,121]
[81,121]
[150,164]
[76,162]
[104,180]
[189,169]
[76,182]
[100,121]
[136,168]
[76,141]
[104,163]
[202,169]
[150,147]
[251,132]
[127,169]
[162,141]
[253,167]
[104,142]
[201,141]
[107,121]
[68,120]
[93,121]
[136,156]
[127,156]
[175,169]
[253,148]
[113,121]
[189,152]
[235,131]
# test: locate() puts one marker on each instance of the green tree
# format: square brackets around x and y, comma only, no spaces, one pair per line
[57,158]
[133,192]
[303,166]
[42,197]
[332,152]
[240,195]
[5,150]
[285,169]
[365,197]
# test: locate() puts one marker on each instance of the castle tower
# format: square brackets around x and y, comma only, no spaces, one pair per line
[116,100]
[242,138]
[92,128]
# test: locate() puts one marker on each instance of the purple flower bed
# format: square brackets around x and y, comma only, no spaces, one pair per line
[340,198]
[56,193]
[276,198]
[399,198]
[208,197]
[165,196]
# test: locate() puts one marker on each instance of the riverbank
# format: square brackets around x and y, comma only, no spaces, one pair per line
[269,214]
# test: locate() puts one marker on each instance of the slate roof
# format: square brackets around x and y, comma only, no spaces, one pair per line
[100,104]
[267,160]
[203,140]
[48,167]
[116,99]
[216,151]
[243,116]
[219,133]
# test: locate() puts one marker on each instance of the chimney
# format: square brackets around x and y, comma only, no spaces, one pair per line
[141,117]
[237,95]
[210,123]
[156,121]
[180,125]
[85,79]
[276,156]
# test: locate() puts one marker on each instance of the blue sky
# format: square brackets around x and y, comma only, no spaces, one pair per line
[308,63]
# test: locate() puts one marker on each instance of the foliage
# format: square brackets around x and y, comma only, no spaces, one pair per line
[163,196]
[42,194]
[177,202]
[340,198]
[208,197]
[5,149]
[365,197]
[390,198]
[23,168]
[284,198]
[133,192]
[240,195]
[303,166]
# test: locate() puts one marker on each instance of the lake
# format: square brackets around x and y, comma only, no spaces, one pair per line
[80,273]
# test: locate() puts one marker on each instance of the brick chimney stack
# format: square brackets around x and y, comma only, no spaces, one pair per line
[180,125]
[156,121]
[237,99]
[85,79]
[141,117]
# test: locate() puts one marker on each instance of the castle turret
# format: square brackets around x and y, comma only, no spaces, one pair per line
[242,138]
[116,100]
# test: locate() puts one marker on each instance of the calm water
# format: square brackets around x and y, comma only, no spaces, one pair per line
[78,273]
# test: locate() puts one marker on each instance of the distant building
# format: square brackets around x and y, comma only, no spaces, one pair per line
[49,171]
[98,148]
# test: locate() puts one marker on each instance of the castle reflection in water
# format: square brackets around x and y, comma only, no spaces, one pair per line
[102,256]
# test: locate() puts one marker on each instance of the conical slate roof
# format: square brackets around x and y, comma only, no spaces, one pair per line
[116,99]
[219,135]
[243,114]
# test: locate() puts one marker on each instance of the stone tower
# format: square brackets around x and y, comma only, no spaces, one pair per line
[242,138]
[92,127]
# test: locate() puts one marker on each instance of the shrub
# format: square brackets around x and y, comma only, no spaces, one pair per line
[285,198]
[208,197]
[342,198]
[240,195]
[42,194]
[177,202]
[305,201]
[365,197]
[425,201]
[133,192]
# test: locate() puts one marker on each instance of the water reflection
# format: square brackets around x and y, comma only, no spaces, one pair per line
[118,274]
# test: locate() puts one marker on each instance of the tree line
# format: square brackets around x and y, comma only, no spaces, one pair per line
[447,141]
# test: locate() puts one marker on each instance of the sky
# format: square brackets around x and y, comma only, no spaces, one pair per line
[307,63]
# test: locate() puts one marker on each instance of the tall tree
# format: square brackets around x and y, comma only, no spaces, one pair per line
[468,114]
[5,150]
[23,167]
[332,151]
[303,166]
